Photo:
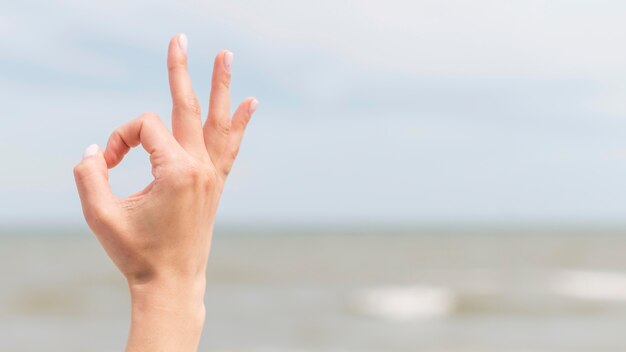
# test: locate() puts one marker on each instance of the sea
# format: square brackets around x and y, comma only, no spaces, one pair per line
[337,289]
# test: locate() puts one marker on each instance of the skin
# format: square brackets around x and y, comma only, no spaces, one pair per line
[160,237]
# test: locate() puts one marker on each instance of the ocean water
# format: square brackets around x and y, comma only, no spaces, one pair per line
[349,291]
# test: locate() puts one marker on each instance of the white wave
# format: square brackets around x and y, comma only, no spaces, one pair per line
[590,285]
[405,303]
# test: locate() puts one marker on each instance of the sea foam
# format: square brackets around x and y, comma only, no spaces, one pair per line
[590,285]
[404,303]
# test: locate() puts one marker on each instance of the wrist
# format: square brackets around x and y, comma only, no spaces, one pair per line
[183,295]
[167,311]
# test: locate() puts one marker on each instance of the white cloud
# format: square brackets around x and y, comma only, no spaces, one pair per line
[481,38]
[530,38]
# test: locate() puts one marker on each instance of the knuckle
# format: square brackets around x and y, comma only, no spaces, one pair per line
[116,135]
[189,105]
[233,154]
[222,126]
[82,171]
[222,82]
[227,168]
[195,177]
[210,179]
[79,171]
[193,106]
[150,117]
[183,178]
[174,66]
[240,124]
[230,160]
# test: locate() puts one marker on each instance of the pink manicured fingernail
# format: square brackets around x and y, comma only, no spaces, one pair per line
[228,60]
[91,151]
[182,43]
[252,107]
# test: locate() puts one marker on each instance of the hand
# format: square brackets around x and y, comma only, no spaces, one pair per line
[160,237]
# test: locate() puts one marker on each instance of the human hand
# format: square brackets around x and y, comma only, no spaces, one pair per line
[160,237]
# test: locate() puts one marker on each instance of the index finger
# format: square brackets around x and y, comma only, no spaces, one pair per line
[148,130]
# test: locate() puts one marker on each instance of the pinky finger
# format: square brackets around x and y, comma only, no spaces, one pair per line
[238,126]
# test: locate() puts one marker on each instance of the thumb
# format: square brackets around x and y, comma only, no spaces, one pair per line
[92,180]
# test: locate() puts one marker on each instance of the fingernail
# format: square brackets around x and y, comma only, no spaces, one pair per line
[91,151]
[252,107]
[182,42]
[228,60]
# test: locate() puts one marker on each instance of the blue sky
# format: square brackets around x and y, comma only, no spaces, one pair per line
[371,111]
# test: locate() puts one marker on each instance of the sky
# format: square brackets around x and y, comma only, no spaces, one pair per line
[386,112]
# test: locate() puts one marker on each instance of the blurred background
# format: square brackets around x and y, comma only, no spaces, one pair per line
[420,175]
